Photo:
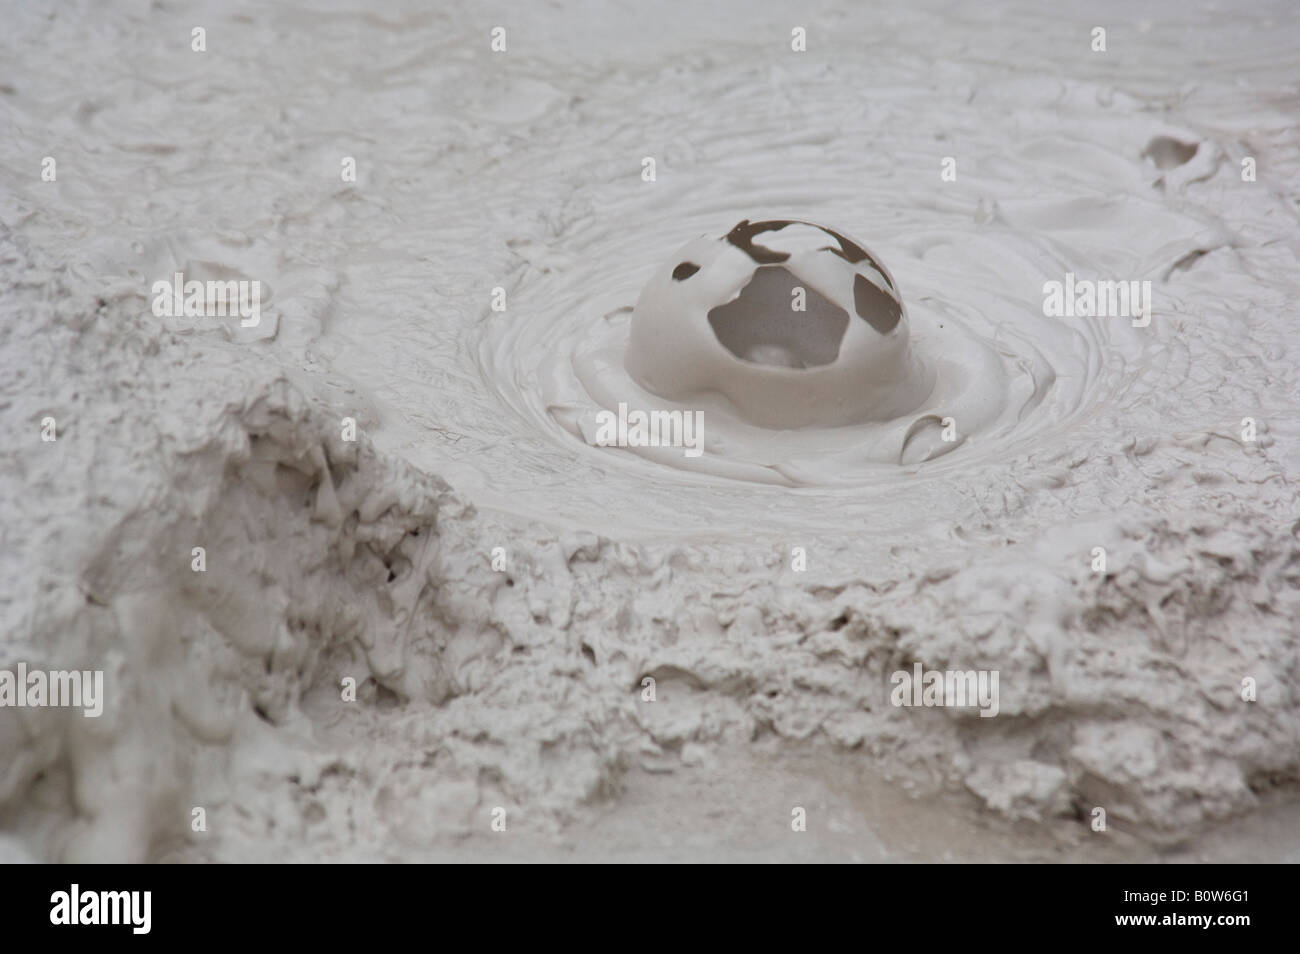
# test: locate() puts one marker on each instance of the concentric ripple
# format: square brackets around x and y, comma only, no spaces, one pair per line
[1009,379]
[1050,179]
[1005,374]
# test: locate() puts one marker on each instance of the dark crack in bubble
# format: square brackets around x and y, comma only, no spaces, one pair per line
[878,308]
[742,236]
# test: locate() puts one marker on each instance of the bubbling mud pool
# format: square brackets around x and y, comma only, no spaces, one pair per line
[998,378]
[964,371]
[515,681]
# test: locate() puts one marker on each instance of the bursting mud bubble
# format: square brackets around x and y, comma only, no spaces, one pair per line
[358,576]
[788,335]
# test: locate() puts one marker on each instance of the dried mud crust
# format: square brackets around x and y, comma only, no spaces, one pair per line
[522,688]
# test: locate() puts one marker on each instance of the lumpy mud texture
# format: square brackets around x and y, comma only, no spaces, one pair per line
[499,593]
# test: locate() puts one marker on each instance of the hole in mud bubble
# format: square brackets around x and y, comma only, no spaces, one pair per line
[760,325]
[1167,152]
[589,653]
[839,622]
[684,271]
[876,307]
